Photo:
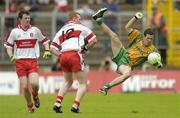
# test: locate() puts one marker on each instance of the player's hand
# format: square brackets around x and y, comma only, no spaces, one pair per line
[84,50]
[12,58]
[139,15]
[47,54]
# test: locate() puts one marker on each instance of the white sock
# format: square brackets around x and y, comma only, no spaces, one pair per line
[75,106]
[57,104]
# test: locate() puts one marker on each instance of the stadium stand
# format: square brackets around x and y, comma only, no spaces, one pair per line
[44,20]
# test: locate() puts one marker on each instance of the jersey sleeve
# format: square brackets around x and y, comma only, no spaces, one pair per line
[55,42]
[9,41]
[42,38]
[88,35]
[133,35]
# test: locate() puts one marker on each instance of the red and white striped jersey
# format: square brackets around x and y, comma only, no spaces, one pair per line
[72,36]
[25,42]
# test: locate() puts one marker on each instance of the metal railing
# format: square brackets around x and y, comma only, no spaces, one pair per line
[52,17]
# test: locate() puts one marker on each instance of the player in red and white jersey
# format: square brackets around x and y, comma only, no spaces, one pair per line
[24,40]
[74,39]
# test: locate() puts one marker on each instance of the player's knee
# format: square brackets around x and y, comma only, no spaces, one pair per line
[69,82]
[25,85]
[127,74]
[34,84]
[83,87]
[26,89]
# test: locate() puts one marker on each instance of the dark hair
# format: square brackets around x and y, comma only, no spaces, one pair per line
[21,13]
[148,31]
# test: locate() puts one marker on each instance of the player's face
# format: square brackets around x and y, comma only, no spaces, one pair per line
[25,21]
[148,39]
[78,18]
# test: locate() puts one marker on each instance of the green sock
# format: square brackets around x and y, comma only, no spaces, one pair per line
[99,21]
[108,86]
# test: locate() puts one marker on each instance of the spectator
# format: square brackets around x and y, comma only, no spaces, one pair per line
[86,14]
[157,23]
[13,7]
[10,21]
[62,7]
[96,1]
[24,7]
[177,4]
[107,65]
[33,5]
[131,2]
[44,2]
[111,20]
[2,2]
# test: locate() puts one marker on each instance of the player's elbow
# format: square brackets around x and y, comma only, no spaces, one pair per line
[93,42]
[127,28]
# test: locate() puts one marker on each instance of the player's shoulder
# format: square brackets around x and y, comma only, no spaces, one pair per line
[34,27]
[84,28]
[16,29]
[134,32]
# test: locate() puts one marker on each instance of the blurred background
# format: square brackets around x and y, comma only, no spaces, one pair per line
[50,15]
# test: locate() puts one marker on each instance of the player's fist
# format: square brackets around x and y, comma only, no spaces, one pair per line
[139,15]
[47,54]
[12,58]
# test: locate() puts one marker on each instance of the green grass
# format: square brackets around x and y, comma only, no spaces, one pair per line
[127,105]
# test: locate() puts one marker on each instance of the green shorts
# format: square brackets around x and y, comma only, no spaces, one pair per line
[122,58]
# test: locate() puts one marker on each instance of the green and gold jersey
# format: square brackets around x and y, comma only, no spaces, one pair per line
[137,51]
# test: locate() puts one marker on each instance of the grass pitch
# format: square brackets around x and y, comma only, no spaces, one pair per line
[94,105]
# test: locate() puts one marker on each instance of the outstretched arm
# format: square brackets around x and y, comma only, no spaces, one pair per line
[128,26]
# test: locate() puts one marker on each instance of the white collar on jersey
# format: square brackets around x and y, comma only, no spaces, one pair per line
[25,29]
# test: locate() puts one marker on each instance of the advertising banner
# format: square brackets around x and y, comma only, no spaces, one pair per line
[50,82]
[157,81]
[9,84]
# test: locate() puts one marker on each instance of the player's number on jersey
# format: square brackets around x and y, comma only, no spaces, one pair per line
[67,34]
